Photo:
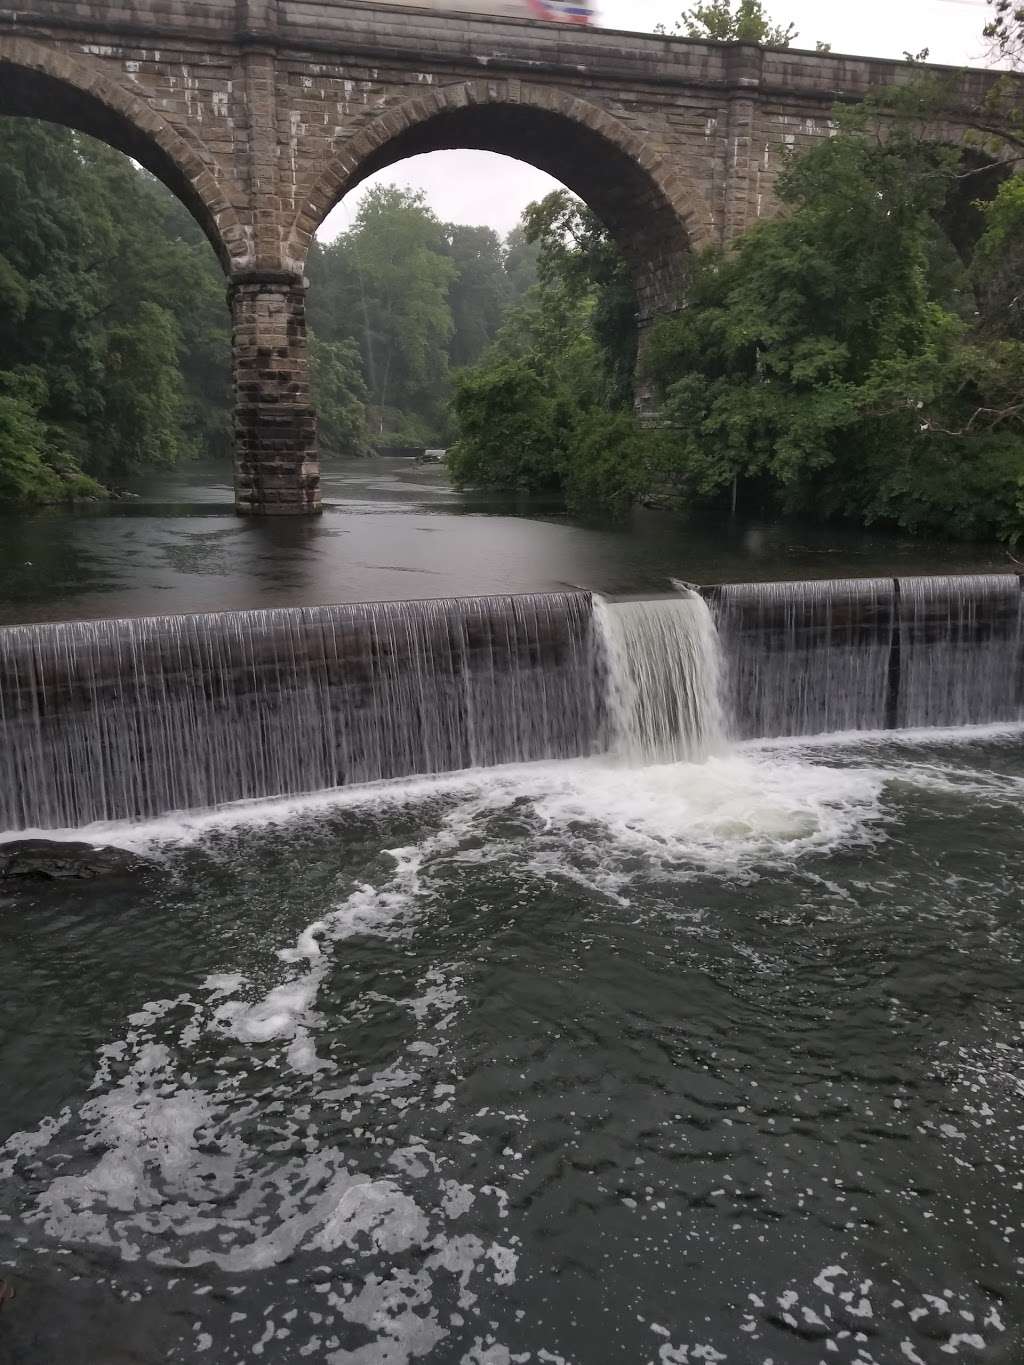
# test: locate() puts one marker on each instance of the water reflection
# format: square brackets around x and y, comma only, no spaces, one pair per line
[393,529]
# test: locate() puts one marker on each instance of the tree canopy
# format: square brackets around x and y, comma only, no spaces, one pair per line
[114,340]
[549,407]
[418,299]
[860,357]
[836,360]
[732,21]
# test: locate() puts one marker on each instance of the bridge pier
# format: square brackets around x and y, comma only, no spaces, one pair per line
[277,465]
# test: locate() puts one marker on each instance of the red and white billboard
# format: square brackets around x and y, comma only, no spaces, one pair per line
[562,11]
[546,11]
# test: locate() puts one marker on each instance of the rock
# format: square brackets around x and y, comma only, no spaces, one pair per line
[50,860]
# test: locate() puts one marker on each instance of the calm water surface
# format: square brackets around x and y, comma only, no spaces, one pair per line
[567,1063]
[395,530]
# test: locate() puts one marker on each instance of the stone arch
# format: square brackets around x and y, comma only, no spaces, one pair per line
[656,213]
[38,81]
[984,164]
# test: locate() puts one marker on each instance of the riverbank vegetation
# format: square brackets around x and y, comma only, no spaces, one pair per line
[115,336]
[860,357]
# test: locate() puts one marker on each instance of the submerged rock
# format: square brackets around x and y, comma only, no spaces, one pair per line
[51,860]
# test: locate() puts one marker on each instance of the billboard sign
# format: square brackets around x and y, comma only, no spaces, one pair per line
[562,11]
[546,11]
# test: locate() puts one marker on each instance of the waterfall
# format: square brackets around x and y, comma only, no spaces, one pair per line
[872,654]
[664,679]
[130,719]
[125,719]
[961,650]
[807,658]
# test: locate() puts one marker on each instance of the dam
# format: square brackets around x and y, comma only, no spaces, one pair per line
[130,719]
[662,948]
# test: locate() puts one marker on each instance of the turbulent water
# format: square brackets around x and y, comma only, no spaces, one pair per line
[134,718]
[682,1051]
[663,664]
[570,1062]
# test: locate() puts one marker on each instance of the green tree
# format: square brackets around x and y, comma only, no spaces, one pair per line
[545,410]
[339,391]
[27,472]
[826,362]
[384,284]
[33,466]
[514,428]
[113,329]
[520,263]
[998,265]
[723,21]
[187,278]
[480,292]
[143,395]
[577,257]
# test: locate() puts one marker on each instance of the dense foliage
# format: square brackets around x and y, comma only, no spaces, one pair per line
[339,390]
[860,357]
[733,21]
[417,299]
[114,339]
[115,336]
[550,405]
[843,360]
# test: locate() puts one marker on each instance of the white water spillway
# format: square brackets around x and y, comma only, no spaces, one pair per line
[126,719]
[129,719]
[664,679]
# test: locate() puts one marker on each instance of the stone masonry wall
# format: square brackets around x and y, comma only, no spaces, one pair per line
[276,466]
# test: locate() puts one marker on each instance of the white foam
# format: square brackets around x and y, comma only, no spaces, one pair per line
[920,737]
[664,678]
[163,1166]
[189,827]
[729,811]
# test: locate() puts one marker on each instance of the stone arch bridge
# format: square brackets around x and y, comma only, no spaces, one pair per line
[261,114]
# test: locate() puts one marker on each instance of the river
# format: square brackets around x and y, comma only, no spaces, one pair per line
[564,1063]
[393,530]
[694,1049]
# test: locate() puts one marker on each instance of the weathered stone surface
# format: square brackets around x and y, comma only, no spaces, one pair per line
[261,115]
[50,860]
[276,467]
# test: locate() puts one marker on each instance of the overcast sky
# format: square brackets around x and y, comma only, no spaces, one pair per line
[475,187]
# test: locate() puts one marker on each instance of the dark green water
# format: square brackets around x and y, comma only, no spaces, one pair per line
[394,530]
[571,1063]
